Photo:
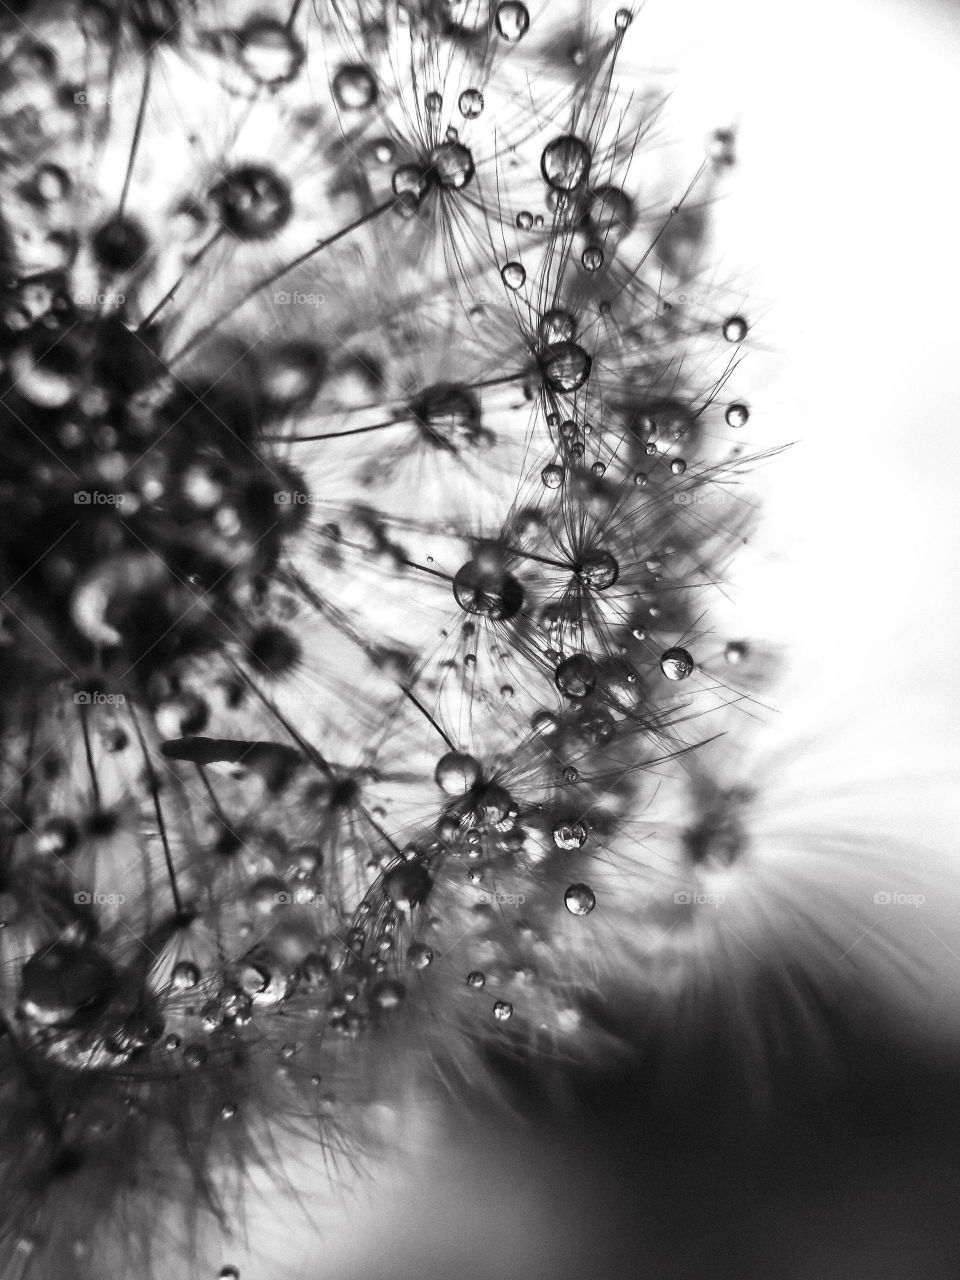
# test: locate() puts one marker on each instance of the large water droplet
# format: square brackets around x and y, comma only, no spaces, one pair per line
[503,1010]
[389,994]
[579,899]
[253,202]
[556,326]
[184,975]
[407,885]
[420,955]
[483,586]
[735,329]
[269,52]
[565,163]
[64,982]
[566,367]
[451,165]
[354,87]
[676,664]
[119,244]
[457,773]
[611,211]
[513,20]
[598,570]
[513,275]
[737,415]
[470,103]
[576,676]
[569,835]
[448,414]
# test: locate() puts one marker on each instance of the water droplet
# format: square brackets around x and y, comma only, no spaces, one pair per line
[433,102]
[565,163]
[457,773]
[544,722]
[229,1273]
[58,837]
[389,994]
[227,1112]
[354,87]
[735,329]
[476,979]
[599,570]
[503,1010]
[735,652]
[451,165]
[579,899]
[737,415]
[483,586]
[592,258]
[269,52]
[184,976]
[569,835]
[420,955]
[119,244]
[622,19]
[566,367]
[720,147]
[513,21]
[470,103]
[552,476]
[524,220]
[611,212]
[678,466]
[557,326]
[576,676]
[448,414]
[63,981]
[51,183]
[640,478]
[195,1055]
[513,275]
[407,885]
[253,202]
[676,664]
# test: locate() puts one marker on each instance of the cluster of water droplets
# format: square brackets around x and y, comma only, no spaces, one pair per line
[362,523]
